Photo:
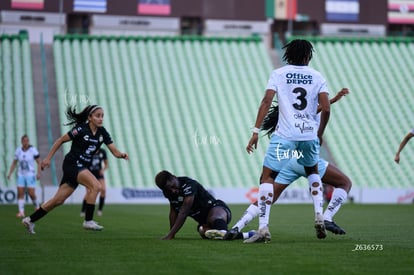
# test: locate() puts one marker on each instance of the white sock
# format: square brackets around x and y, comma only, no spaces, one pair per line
[20,205]
[251,212]
[339,196]
[315,186]
[264,201]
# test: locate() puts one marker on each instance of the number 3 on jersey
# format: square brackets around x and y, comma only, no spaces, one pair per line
[301,98]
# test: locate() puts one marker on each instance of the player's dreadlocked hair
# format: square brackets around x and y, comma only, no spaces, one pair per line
[78,118]
[270,121]
[298,52]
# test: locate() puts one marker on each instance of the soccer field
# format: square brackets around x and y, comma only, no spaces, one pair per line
[379,240]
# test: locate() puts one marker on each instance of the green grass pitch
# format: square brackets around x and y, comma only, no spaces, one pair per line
[130,243]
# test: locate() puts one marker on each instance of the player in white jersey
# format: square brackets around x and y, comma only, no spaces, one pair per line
[402,145]
[300,90]
[27,173]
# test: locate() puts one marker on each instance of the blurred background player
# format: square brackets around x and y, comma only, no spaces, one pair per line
[27,174]
[402,145]
[87,136]
[98,167]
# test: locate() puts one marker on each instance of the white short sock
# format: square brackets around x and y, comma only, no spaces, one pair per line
[339,196]
[265,201]
[251,212]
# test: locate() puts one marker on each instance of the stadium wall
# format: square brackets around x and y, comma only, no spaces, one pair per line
[292,195]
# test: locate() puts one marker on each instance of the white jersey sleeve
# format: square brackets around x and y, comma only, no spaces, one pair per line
[298,89]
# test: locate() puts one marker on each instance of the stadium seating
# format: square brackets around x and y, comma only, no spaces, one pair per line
[16,97]
[184,104]
[367,126]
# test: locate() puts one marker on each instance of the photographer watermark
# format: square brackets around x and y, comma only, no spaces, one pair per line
[203,140]
[288,154]
[368,247]
[72,99]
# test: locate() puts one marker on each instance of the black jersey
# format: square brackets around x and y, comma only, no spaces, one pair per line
[97,159]
[85,143]
[203,200]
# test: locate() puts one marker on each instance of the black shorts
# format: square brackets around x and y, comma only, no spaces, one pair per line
[71,170]
[222,204]
[97,174]
[201,217]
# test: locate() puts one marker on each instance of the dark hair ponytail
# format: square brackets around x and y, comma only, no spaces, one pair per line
[78,118]
[270,121]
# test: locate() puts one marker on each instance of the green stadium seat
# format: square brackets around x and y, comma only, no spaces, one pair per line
[161,100]
[368,125]
[16,96]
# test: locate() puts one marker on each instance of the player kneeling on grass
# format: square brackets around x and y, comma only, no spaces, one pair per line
[188,198]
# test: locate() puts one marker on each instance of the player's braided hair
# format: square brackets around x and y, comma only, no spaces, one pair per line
[270,121]
[75,118]
[298,52]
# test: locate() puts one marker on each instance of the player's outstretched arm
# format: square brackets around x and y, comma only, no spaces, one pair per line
[46,161]
[116,152]
[343,92]
[402,145]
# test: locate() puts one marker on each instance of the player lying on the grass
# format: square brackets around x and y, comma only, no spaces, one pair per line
[188,198]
